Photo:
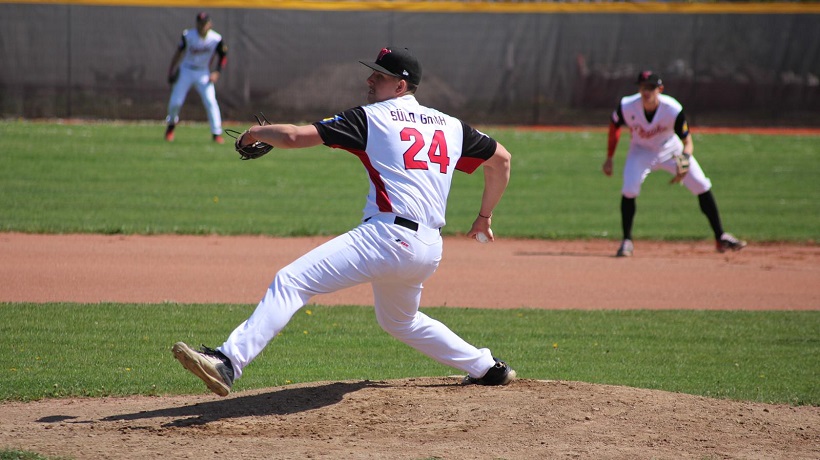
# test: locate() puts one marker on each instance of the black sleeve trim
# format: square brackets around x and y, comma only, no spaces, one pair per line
[347,130]
[617,116]
[681,127]
[222,53]
[477,144]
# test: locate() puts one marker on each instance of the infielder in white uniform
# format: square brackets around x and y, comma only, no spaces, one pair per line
[196,50]
[659,133]
[410,153]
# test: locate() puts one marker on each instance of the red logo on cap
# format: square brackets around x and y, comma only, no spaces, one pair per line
[645,74]
[382,53]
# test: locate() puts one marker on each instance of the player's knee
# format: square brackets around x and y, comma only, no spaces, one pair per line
[630,193]
[699,187]
[397,329]
[288,286]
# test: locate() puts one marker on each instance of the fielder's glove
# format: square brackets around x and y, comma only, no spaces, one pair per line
[173,77]
[682,167]
[254,150]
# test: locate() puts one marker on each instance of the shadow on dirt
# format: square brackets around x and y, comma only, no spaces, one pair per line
[276,402]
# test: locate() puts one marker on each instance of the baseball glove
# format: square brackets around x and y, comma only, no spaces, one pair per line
[254,150]
[682,167]
[173,77]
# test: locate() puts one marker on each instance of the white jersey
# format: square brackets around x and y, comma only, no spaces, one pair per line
[410,153]
[657,136]
[198,50]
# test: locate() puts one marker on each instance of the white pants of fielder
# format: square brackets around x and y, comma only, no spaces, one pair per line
[640,163]
[395,260]
[201,80]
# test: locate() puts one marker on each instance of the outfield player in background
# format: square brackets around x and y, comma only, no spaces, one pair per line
[191,66]
[658,133]
[410,153]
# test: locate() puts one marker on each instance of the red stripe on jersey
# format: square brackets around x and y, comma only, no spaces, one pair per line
[382,200]
[468,164]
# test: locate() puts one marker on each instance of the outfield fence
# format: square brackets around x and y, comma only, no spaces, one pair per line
[530,63]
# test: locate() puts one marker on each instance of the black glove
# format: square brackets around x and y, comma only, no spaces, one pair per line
[173,77]
[253,150]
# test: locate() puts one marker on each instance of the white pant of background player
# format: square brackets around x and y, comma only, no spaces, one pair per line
[639,163]
[200,79]
[395,260]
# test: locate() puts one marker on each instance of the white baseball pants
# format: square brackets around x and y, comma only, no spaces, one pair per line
[640,163]
[200,79]
[395,260]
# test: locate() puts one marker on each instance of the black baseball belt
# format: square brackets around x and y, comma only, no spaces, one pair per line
[406,223]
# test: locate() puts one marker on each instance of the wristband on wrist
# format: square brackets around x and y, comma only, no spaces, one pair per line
[486,217]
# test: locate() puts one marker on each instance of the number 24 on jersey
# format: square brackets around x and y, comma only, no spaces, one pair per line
[436,152]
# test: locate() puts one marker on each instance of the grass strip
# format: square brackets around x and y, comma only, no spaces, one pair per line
[124,178]
[66,350]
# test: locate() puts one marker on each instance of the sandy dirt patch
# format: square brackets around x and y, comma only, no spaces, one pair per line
[503,274]
[418,418]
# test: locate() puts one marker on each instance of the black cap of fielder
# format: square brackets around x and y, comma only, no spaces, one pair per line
[647,77]
[398,62]
[203,17]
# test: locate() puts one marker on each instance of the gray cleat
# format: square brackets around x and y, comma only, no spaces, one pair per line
[211,366]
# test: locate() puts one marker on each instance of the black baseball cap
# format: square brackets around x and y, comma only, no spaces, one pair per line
[398,62]
[648,77]
[203,17]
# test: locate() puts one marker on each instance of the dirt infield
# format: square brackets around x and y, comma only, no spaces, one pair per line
[415,418]
[503,274]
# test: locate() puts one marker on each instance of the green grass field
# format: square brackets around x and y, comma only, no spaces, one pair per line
[123,178]
[60,350]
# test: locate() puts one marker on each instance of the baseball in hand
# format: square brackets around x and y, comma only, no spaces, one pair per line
[482,238]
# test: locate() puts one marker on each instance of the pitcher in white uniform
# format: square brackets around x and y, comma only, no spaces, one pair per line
[191,66]
[658,133]
[410,153]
